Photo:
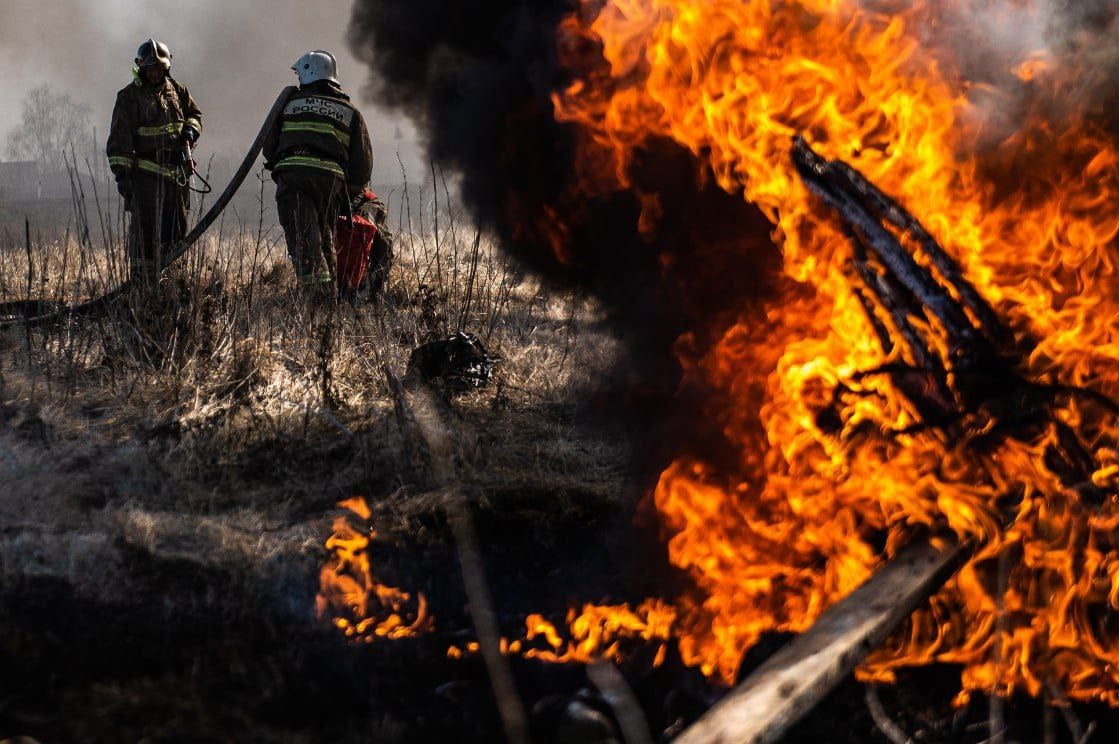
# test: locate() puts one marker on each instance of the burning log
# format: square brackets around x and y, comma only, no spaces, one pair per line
[789,685]
[872,199]
[980,379]
[932,400]
[977,393]
[860,204]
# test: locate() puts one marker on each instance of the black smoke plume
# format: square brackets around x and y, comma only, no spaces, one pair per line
[478,78]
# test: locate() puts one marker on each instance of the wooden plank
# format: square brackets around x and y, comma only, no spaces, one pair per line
[794,680]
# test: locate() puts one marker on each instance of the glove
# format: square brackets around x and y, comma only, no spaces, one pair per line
[179,156]
[190,135]
[124,188]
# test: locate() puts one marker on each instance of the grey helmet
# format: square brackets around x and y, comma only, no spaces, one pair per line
[317,65]
[153,52]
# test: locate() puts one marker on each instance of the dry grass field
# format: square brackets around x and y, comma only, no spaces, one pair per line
[170,472]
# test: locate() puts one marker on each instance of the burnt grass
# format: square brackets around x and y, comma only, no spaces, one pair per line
[198,655]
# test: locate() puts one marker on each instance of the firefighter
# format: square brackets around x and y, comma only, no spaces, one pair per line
[155,123]
[320,157]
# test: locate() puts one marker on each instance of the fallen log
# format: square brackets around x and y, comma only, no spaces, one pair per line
[791,682]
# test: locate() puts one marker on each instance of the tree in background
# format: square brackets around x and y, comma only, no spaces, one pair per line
[52,123]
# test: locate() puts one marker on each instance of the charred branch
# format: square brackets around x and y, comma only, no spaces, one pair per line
[1080,735]
[833,186]
[889,210]
[622,700]
[981,378]
[881,332]
[882,720]
[926,383]
[897,307]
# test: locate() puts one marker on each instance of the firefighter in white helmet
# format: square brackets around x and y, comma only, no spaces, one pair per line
[154,121]
[320,156]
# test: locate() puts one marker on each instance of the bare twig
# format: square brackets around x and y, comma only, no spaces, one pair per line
[485,624]
[473,573]
[617,692]
[882,720]
[1080,735]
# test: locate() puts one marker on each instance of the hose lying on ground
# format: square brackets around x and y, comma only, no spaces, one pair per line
[37,312]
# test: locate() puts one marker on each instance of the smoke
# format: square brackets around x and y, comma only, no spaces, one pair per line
[234,57]
[1022,58]
[478,79]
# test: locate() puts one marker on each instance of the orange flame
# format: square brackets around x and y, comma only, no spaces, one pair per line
[598,632]
[351,597]
[812,508]
[1032,68]
[365,610]
[794,527]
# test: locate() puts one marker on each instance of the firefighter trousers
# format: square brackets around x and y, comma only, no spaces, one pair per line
[160,209]
[308,203]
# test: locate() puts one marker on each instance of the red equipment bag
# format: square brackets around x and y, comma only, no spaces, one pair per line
[353,241]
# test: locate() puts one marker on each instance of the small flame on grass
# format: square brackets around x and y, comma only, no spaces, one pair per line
[598,632]
[351,597]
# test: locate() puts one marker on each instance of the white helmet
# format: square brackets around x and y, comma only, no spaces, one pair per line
[316,65]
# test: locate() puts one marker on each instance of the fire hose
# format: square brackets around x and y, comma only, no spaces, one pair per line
[35,312]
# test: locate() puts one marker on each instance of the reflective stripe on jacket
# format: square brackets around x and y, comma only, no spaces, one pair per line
[175,128]
[317,124]
[305,161]
[148,121]
[315,278]
[320,129]
[175,173]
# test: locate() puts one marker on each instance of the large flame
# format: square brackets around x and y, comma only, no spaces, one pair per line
[812,508]
[815,503]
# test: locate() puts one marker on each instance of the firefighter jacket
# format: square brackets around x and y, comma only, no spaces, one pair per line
[148,121]
[321,130]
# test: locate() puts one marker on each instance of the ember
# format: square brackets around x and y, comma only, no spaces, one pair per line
[596,633]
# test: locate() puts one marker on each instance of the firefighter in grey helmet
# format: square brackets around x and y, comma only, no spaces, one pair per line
[320,156]
[155,119]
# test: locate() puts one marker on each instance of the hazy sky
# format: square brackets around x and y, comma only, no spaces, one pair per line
[234,55]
